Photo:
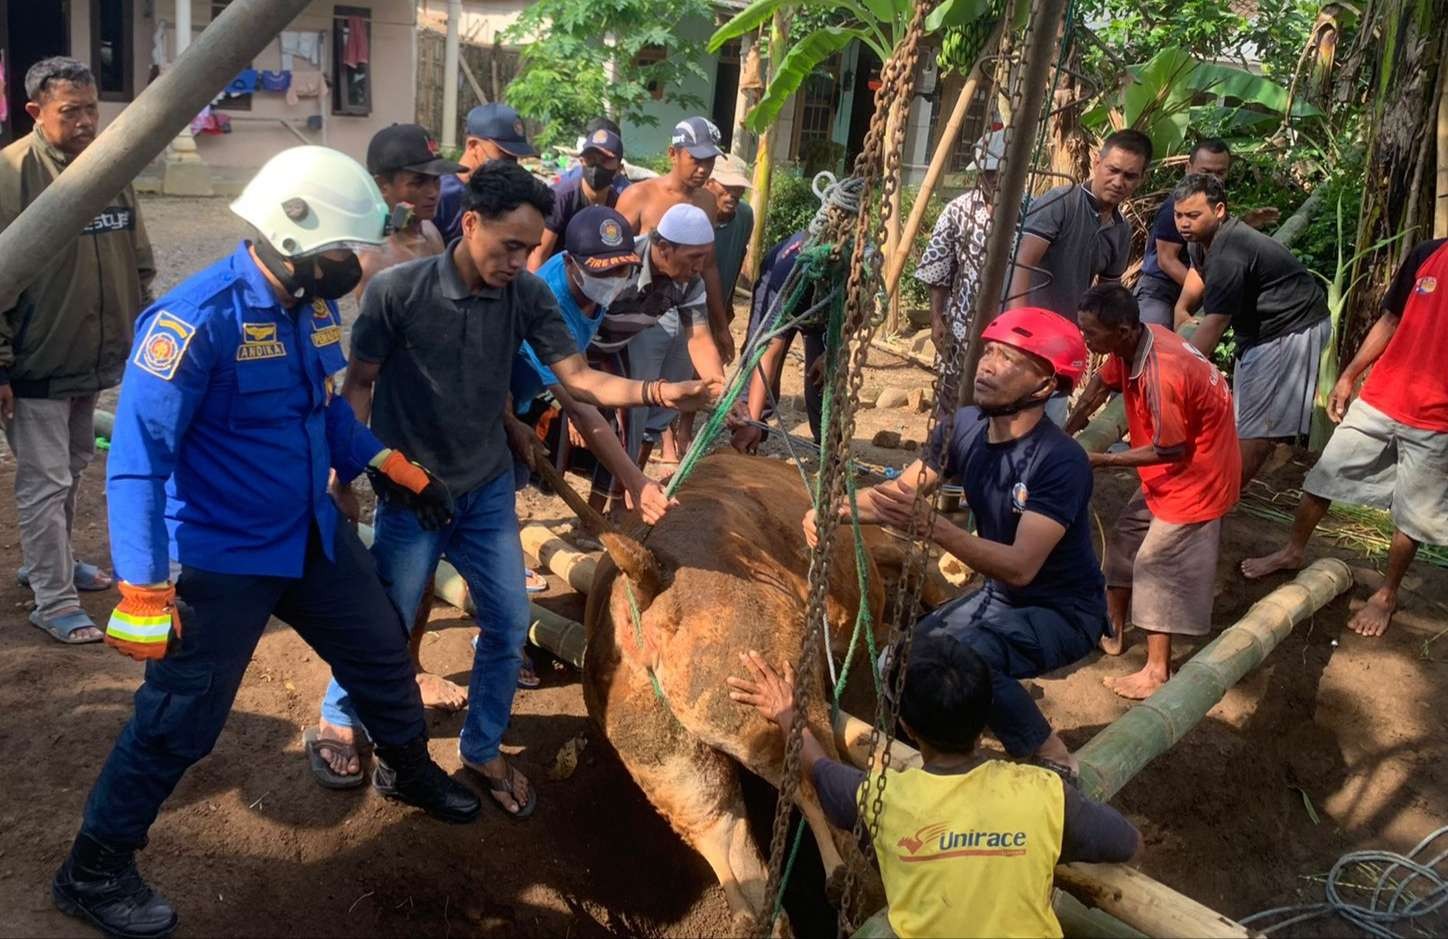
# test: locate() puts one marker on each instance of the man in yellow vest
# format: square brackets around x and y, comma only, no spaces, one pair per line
[967,845]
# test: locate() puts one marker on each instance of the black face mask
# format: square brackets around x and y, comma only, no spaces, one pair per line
[308,277]
[598,177]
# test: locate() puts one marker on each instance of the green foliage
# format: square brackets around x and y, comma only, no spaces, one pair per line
[565,60]
[913,294]
[1136,30]
[658,162]
[791,205]
[1167,95]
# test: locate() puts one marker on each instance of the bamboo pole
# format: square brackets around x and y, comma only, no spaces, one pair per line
[894,247]
[764,159]
[1440,205]
[943,148]
[560,557]
[1152,727]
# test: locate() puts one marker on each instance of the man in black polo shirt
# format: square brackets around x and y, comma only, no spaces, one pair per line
[1278,313]
[600,162]
[432,356]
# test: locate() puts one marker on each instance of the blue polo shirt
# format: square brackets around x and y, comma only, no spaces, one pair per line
[227,429]
[530,376]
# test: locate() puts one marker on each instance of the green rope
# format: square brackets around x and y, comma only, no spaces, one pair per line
[633,609]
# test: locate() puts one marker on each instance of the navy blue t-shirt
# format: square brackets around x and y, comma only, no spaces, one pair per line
[1045,472]
[449,217]
[1163,229]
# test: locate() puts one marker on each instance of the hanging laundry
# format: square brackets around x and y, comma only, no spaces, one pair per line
[210,122]
[357,50]
[269,80]
[300,45]
[243,84]
[306,85]
[4,99]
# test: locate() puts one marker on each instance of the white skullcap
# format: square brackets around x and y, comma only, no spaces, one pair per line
[686,224]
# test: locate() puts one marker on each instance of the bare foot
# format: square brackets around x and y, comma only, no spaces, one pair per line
[1372,619]
[1138,686]
[441,694]
[1112,645]
[339,762]
[1285,559]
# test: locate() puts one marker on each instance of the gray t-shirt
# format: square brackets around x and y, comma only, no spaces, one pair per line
[645,301]
[1256,281]
[1082,249]
[447,358]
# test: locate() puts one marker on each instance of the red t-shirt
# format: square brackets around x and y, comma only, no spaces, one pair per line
[1409,382]
[1177,401]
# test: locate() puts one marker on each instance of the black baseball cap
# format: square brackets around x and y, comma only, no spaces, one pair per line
[604,141]
[600,239]
[407,147]
[502,125]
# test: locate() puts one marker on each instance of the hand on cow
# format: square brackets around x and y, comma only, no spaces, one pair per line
[650,501]
[768,692]
[746,439]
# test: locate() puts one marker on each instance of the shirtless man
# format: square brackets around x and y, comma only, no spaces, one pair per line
[404,161]
[661,352]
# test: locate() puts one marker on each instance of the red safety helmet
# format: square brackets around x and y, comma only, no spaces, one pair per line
[1042,333]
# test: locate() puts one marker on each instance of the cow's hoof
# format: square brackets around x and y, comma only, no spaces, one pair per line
[743,923]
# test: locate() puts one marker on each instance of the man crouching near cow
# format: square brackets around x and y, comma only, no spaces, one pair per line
[1028,484]
[993,831]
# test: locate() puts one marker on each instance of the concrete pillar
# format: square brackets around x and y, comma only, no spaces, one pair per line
[450,77]
[186,174]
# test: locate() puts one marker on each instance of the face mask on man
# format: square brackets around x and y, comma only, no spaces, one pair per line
[601,290]
[598,177]
[308,277]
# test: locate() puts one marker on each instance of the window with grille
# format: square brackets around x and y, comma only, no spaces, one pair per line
[351,60]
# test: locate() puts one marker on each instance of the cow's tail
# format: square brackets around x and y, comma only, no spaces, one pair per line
[637,563]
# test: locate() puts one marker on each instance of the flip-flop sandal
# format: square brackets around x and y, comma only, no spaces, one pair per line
[533,581]
[64,627]
[506,785]
[528,678]
[313,740]
[88,578]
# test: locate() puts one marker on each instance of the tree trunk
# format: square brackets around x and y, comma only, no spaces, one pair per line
[1440,211]
[764,159]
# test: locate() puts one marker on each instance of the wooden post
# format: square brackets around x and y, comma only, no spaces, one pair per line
[894,246]
[1440,204]
[943,148]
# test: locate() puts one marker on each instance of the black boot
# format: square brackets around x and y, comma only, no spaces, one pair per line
[408,774]
[100,884]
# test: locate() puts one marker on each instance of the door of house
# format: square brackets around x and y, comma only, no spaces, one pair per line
[726,93]
[30,30]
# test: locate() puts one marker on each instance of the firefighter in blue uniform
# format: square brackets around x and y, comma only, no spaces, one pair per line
[225,435]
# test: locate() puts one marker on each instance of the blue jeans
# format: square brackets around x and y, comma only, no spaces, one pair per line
[337,605]
[482,543]
[1016,642]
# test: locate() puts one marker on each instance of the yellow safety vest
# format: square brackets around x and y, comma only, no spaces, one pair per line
[971,854]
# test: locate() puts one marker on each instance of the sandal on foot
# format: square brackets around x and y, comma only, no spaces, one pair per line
[313,740]
[533,581]
[88,578]
[63,628]
[528,678]
[506,785]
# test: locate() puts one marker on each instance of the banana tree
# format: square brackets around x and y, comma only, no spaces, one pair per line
[1339,288]
[1164,98]
[879,25]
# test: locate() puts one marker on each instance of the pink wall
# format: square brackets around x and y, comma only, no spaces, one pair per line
[394,79]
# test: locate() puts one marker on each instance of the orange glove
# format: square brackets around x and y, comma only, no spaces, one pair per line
[397,477]
[141,624]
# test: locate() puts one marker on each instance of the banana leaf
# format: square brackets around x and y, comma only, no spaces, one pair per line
[746,20]
[801,60]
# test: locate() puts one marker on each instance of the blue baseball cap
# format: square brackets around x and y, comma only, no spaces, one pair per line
[600,239]
[698,135]
[502,125]
[604,141]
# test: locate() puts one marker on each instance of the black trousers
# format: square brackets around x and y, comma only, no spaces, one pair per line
[338,606]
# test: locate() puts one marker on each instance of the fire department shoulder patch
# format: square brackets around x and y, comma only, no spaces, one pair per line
[161,350]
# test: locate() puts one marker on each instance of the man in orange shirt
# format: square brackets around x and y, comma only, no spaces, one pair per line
[1162,560]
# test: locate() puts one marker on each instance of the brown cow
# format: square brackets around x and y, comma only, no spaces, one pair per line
[725,571]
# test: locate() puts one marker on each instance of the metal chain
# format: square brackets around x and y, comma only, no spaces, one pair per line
[896,84]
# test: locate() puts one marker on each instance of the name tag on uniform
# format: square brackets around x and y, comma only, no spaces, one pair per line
[327,336]
[259,341]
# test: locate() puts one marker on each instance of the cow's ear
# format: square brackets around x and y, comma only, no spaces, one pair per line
[638,564]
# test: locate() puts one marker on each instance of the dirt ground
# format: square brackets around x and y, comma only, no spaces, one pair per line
[249,845]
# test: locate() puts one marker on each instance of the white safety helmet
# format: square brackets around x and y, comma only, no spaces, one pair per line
[310,199]
[988,152]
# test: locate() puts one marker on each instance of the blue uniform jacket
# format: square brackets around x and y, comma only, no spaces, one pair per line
[226,429]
